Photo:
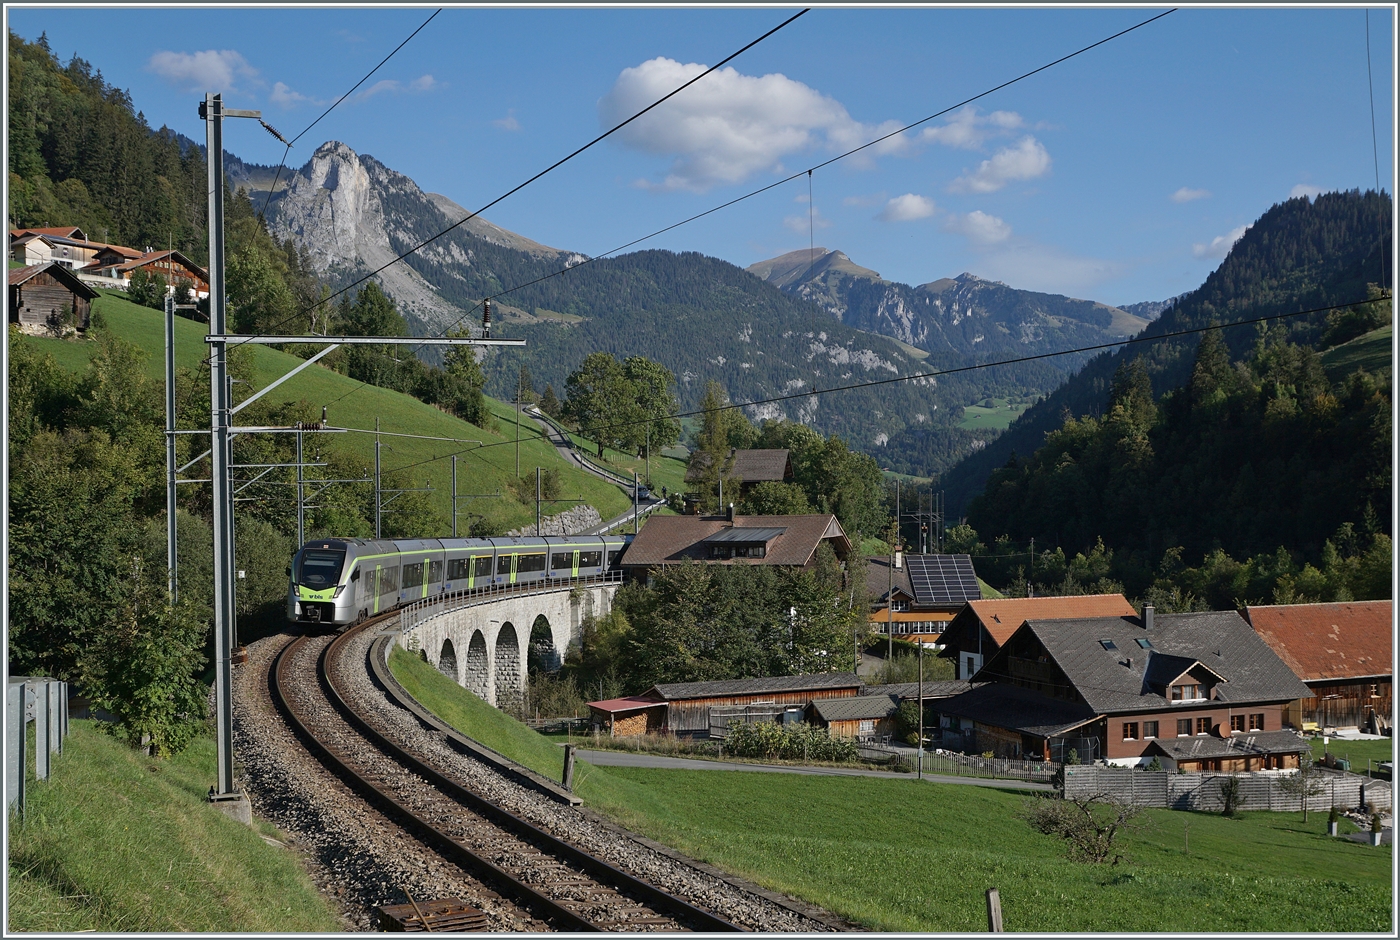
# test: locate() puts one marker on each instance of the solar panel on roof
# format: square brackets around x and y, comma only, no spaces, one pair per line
[745,534]
[942,579]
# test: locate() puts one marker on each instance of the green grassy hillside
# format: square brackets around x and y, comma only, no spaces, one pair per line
[116,841]
[997,415]
[484,470]
[1371,352]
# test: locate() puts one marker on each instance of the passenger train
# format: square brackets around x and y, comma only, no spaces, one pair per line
[343,581]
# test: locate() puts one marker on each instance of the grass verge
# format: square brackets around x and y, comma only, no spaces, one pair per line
[116,841]
[1358,752]
[873,850]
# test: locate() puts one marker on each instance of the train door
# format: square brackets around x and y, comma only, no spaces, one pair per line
[514,562]
[575,571]
[374,588]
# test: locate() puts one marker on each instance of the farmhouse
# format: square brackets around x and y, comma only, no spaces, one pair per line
[1127,689]
[981,627]
[66,245]
[48,298]
[733,540]
[914,597]
[116,264]
[747,468]
[1342,652]
[698,709]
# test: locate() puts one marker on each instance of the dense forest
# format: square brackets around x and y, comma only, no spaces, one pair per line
[1300,255]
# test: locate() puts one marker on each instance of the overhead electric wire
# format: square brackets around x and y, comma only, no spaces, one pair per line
[1097,347]
[788,179]
[281,165]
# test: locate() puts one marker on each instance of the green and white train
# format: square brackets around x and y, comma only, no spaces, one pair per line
[343,581]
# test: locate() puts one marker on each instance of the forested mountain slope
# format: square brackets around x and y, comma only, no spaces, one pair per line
[1301,254]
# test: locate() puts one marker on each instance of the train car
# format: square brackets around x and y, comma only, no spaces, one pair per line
[342,581]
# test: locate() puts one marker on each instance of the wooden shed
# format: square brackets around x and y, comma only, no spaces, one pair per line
[863,717]
[49,298]
[623,717]
[689,705]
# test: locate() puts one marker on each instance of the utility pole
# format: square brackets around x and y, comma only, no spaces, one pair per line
[301,495]
[517,423]
[539,494]
[377,504]
[172,559]
[889,598]
[454,496]
[634,502]
[921,708]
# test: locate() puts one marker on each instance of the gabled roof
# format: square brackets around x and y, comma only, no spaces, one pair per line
[1001,617]
[677,691]
[630,703]
[152,257]
[1253,744]
[878,578]
[856,708]
[1350,640]
[673,539]
[1113,681]
[62,231]
[19,276]
[1017,709]
[747,466]
[939,688]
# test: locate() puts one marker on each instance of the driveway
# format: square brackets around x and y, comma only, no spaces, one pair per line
[656,761]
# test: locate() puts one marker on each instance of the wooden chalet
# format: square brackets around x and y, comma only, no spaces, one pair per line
[733,540]
[1343,653]
[1198,691]
[66,245]
[117,265]
[982,626]
[48,299]
[915,597]
[746,469]
[862,717]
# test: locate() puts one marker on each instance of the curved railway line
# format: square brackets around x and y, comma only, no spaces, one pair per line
[523,875]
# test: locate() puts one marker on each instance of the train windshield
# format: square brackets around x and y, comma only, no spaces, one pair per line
[320,568]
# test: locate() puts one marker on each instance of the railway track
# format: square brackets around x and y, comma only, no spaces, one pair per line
[556,882]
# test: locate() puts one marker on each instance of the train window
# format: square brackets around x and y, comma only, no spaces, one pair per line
[413,575]
[613,557]
[530,563]
[434,572]
[562,560]
[457,568]
[483,566]
[590,559]
[388,580]
[503,563]
[319,568]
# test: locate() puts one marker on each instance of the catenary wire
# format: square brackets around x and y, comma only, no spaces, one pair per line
[1098,347]
[553,166]
[282,164]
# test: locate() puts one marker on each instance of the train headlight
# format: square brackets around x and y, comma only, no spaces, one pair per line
[339,589]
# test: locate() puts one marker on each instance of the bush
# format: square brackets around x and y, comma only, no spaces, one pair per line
[768,740]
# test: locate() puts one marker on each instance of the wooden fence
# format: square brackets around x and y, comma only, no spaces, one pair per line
[1202,791]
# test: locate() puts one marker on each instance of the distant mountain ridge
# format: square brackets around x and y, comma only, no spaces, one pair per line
[966,314]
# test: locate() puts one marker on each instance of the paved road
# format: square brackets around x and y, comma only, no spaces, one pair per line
[628,759]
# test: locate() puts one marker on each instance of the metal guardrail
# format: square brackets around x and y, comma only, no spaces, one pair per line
[43,701]
[582,458]
[415,613]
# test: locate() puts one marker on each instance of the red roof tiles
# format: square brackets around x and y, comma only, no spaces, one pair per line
[1349,640]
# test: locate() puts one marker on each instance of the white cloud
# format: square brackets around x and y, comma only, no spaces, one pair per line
[508,123]
[968,129]
[287,98]
[801,223]
[1025,161]
[1220,245]
[907,208]
[1304,189]
[216,70]
[729,126]
[980,228]
[1185,194]
[422,83]
[395,87]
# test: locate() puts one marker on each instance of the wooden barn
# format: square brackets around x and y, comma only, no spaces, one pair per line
[1342,652]
[48,299]
[863,717]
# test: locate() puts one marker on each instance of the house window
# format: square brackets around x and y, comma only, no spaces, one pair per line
[1375,690]
[1149,729]
[1256,722]
[867,726]
[1203,725]
[969,667]
[1108,644]
[1183,727]
[900,605]
[1186,693]
[1144,643]
[1130,730]
[1236,722]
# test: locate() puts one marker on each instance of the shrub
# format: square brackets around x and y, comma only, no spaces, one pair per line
[1375,822]
[1087,824]
[801,741]
[1230,796]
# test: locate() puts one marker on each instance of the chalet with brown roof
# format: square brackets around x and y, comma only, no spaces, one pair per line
[1198,691]
[48,299]
[116,264]
[746,467]
[981,627]
[916,597]
[66,245]
[1343,652]
[733,540]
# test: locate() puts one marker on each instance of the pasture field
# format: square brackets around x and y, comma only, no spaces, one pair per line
[1358,752]
[483,470]
[1371,352]
[997,415]
[900,855]
[115,841]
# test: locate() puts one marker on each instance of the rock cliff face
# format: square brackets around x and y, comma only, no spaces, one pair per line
[965,314]
[356,215]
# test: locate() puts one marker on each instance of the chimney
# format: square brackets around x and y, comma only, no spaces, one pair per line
[729,513]
[898,559]
[1147,611]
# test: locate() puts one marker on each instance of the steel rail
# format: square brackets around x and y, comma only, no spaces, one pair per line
[699,918]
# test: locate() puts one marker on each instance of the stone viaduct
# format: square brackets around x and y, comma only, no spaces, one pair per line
[484,644]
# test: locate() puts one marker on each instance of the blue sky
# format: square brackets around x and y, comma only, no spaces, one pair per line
[1121,175]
